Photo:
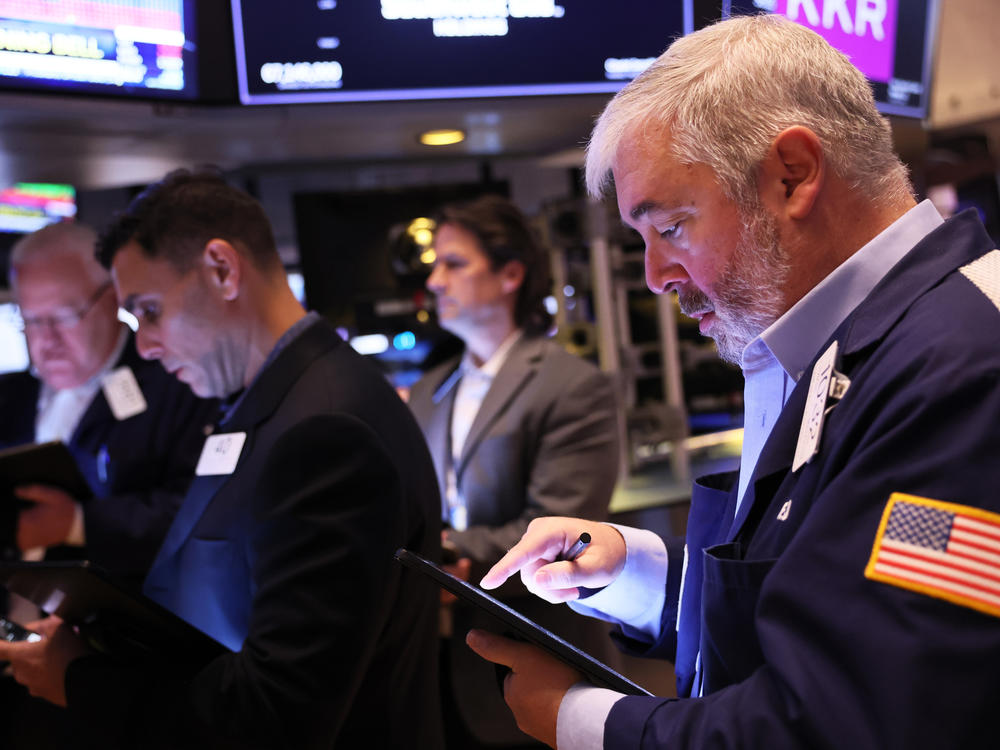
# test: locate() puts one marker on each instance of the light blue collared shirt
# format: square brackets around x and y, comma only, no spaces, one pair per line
[772,364]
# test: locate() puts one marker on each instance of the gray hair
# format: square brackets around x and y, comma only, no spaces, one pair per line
[724,93]
[55,241]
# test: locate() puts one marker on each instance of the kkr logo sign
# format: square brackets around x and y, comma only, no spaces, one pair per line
[864,30]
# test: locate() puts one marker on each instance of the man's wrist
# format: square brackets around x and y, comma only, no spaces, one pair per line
[77,534]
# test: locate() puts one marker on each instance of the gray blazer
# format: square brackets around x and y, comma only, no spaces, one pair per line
[544,442]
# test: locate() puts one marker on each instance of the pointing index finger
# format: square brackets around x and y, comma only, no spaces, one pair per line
[521,554]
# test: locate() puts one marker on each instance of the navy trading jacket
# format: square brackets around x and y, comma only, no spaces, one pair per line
[854,603]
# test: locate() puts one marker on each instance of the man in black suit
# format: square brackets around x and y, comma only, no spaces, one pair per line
[283,549]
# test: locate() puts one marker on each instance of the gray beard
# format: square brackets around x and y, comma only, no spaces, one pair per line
[748,294]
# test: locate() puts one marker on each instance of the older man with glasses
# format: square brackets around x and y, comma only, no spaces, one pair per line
[135,433]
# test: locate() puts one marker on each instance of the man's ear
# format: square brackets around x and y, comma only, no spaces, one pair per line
[793,173]
[223,266]
[511,276]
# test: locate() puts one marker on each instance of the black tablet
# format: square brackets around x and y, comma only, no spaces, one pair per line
[42,463]
[598,673]
[113,617]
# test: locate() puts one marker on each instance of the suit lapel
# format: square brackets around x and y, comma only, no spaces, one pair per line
[520,367]
[89,430]
[200,493]
[262,398]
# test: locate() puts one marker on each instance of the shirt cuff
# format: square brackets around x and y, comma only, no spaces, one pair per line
[582,713]
[76,535]
[635,598]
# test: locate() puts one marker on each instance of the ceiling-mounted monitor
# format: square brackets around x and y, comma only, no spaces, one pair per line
[27,206]
[337,51]
[132,48]
[890,41]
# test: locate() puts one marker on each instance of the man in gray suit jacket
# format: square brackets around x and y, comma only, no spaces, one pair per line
[518,428]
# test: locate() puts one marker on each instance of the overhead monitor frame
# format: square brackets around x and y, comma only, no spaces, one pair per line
[121,50]
[325,63]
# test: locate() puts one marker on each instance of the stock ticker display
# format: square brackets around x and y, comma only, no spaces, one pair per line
[139,47]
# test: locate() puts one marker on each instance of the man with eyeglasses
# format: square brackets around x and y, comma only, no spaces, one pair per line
[135,432]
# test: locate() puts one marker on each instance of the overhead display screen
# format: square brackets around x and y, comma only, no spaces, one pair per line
[27,206]
[124,47]
[890,41]
[354,50]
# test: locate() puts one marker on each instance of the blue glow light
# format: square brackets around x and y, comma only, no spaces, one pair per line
[404,341]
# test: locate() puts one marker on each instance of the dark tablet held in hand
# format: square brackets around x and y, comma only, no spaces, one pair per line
[520,626]
[42,463]
[112,617]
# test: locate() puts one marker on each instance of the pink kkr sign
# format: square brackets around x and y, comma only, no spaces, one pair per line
[864,30]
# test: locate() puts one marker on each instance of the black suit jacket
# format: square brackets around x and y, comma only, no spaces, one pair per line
[289,560]
[138,468]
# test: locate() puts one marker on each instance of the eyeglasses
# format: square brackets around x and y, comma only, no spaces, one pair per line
[63,321]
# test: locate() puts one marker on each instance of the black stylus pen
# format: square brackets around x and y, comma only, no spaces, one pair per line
[578,547]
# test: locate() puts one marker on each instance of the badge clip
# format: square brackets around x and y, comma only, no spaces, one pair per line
[825,384]
[839,383]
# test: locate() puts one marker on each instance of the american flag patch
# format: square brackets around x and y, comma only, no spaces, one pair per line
[940,549]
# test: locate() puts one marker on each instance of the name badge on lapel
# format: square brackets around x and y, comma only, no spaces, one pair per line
[825,384]
[220,454]
[122,392]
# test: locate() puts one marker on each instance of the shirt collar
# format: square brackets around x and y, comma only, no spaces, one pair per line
[230,405]
[793,338]
[492,366]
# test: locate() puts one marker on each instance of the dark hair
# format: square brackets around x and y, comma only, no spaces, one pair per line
[175,218]
[505,235]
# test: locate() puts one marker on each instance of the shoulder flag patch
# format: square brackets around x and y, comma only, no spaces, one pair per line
[944,550]
[984,272]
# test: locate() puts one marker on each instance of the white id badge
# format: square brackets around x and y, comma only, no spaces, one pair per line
[220,454]
[815,411]
[122,392]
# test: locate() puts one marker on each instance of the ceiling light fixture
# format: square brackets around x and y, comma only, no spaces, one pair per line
[443,137]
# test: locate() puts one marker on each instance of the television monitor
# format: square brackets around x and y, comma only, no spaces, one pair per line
[890,41]
[27,206]
[140,48]
[329,51]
